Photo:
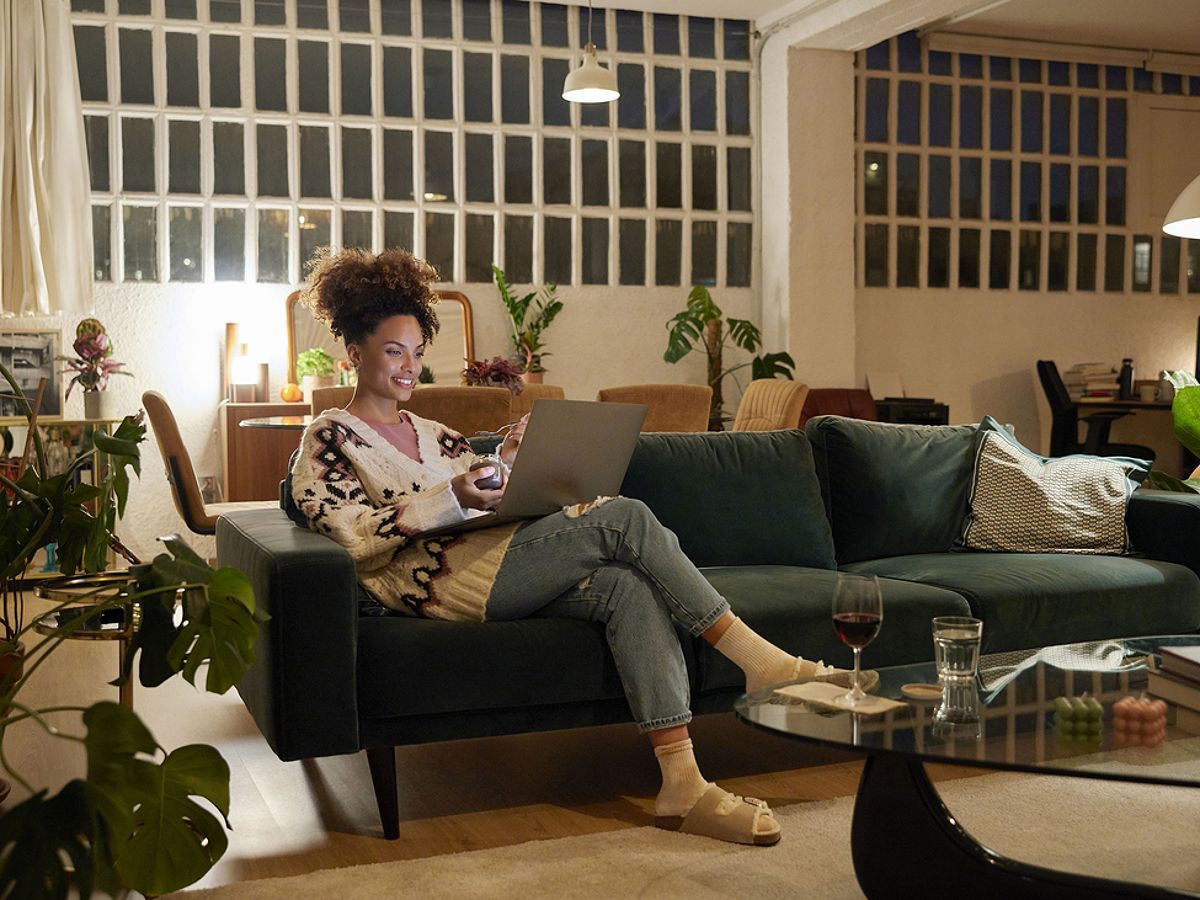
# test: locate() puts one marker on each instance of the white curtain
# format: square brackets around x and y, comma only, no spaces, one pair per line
[45,216]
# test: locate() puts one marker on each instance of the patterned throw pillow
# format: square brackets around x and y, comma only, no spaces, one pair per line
[1024,503]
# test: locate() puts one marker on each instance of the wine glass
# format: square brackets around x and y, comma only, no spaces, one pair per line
[857,615]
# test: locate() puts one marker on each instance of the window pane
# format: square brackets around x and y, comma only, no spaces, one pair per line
[1060,124]
[1114,116]
[395,16]
[141,242]
[1031,71]
[269,12]
[703,100]
[481,170]
[630,38]
[477,26]
[908,52]
[439,167]
[704,178]
[229,158]
[1087,75]
[1089,126]
[186,250]
[704,253]
[356,79]
[669,165]
[559,252]
[514,89]
[314,162]
[970,187]
[95,130]
[737,102]
[970,65]
[938,264]
[632,256]
[939,187]
[313,76]
[737,171]
[357,228]
[273,245]
[1143,80]
[554,25]
[875,255]
[1089,194]
[1058,266]
[397,165]
[595,251]
[939,115]
[91,61]
[1001,189]
[1168,272]
[312,14]
[1029,263]
[593,28]
[701,37]
[631,106]
[397,82]
[1085,262]
[1058,72]
[737,254]
[666,33]
[229,244]
[667,93]
[515,16]
[137,149]
[477,98]
[439,243]
[184,176]
[137,66]
[970,117]
[518,249]
[878,56]
[439,84]
[1031,192]
[968,258]
[224,70]
[436,18]
[480,249]
[398,230]
[357,164]
[1114,262]
[1193,267]
[183,74]
[737,38]
[555,110]
[1000,259]
[940,63]
[315,231]
[908,255]
[668,251]
[594,164]
[270,74]
[1001,120]
[1031,121]
[556,173]
[877,110]
[1143,262]
[518,170]
[633,173]
[1114,209]
[225,10]
[1060,192]
[908,118]
[354,15]
[908,184]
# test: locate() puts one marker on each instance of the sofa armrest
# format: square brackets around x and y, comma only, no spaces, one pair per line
[1165,525]
[302,686]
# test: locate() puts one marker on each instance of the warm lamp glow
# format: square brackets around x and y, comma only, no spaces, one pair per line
[1183,218]
[243,369]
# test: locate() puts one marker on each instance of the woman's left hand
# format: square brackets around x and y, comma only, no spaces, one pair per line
[512,441]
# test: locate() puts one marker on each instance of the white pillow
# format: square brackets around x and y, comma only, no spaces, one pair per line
[1024,503]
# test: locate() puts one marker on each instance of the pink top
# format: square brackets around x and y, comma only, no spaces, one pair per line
[400,435]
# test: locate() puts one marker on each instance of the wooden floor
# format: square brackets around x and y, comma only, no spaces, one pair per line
[297,817]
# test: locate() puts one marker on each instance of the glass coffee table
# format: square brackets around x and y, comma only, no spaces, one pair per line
[903,836]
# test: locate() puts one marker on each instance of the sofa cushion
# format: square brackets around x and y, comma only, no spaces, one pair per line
[735,498]
[1037,599]
[792,607]
[892,490]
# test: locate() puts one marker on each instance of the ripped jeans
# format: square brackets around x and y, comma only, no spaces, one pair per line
[618,565]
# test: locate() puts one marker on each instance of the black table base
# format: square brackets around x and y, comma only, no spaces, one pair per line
[907,844]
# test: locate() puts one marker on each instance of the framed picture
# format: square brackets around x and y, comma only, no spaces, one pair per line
[29,355]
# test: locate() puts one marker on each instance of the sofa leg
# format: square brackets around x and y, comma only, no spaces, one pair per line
[382,761]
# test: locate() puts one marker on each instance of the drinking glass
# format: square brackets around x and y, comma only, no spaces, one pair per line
[857,615]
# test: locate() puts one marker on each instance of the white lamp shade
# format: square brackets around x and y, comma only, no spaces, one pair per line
[591,82]
[1183,218]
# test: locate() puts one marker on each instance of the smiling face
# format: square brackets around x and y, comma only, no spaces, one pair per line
[389,359]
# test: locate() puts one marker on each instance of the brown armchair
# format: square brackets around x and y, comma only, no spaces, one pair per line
[465,409]
[672,407]
[854,403]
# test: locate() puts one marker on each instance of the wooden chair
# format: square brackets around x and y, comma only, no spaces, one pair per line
[523,402]
[672,407]
[200,517]
[770,404]
[465,409]
[854,403]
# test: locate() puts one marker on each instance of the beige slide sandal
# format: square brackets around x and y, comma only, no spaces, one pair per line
[727,817]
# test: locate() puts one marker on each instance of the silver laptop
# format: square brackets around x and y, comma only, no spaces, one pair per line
[573,451]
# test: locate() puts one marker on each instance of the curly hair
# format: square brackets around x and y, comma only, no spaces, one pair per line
[351,292]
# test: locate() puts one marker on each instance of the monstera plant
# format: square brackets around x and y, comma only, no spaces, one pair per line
[140,817]
[1185,412]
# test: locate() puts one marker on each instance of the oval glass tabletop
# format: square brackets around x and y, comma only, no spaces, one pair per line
[1016,726]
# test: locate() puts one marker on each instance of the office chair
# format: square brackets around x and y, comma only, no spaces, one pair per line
[1065,419]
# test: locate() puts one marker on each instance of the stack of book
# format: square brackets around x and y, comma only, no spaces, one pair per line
[1178,682]
[1095,380]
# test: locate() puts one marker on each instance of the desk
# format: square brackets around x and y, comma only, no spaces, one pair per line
[255,460]
[1105,403]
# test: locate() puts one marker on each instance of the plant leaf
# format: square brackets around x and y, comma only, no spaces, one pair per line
[772,365]
[37,833]
[745,335]
[1185,410]
[1161,481]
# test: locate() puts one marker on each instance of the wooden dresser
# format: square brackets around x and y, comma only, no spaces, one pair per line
[255,460]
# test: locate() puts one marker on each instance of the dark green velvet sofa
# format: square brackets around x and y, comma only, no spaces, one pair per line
[770,517]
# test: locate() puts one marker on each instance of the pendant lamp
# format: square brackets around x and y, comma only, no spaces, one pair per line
[1183,218]
[591,82]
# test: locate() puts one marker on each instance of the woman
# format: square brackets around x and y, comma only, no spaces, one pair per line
[374,478]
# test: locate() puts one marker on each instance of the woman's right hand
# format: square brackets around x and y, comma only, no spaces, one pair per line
[470,495]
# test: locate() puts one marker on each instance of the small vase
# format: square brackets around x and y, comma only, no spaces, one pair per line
[96,405]
[538,377]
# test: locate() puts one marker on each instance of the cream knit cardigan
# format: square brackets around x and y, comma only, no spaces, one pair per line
[356,487]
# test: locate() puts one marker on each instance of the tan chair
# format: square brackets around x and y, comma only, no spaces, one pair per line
[329,398]
[531,393]
[672,407]
[465,409]
[770,404]
[200,517]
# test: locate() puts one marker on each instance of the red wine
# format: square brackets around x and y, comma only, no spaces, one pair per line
[856,629]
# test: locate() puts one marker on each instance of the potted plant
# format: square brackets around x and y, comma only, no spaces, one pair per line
[315,368]
[92,365]
[703,323]
[528,317]
[494,372]
[132,821]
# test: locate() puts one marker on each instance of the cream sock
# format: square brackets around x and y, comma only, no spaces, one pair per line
[762,661]
[682,783]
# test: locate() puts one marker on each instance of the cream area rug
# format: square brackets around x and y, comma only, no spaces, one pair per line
[1133,832]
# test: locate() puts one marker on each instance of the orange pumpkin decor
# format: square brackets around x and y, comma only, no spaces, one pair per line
[291,393]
